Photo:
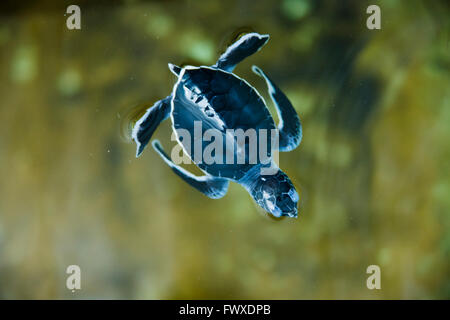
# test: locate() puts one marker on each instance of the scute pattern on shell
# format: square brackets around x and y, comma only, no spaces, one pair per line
[234,100]
[222,101]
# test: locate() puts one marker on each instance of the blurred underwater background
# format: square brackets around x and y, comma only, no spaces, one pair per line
[373,168]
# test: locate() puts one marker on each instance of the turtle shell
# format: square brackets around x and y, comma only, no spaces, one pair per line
[207,98]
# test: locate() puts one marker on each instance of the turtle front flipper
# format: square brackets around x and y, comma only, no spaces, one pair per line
[289,127]
[212,187]
[241,49]
[147,124]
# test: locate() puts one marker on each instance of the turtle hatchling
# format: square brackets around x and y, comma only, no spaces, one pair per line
[213,97]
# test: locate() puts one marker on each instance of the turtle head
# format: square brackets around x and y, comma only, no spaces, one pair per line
[276,194]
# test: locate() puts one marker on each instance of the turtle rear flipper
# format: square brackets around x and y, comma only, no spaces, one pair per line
[174,69]
[212,187]
[289,127]
[147,124]
[241,49]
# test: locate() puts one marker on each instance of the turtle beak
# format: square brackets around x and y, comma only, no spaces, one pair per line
[293,213]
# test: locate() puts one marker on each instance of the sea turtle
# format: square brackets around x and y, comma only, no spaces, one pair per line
[220,100]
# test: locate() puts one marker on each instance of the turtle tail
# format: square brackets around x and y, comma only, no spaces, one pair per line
[147,124]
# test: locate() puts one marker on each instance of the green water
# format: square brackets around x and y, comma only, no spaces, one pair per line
[373,167]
